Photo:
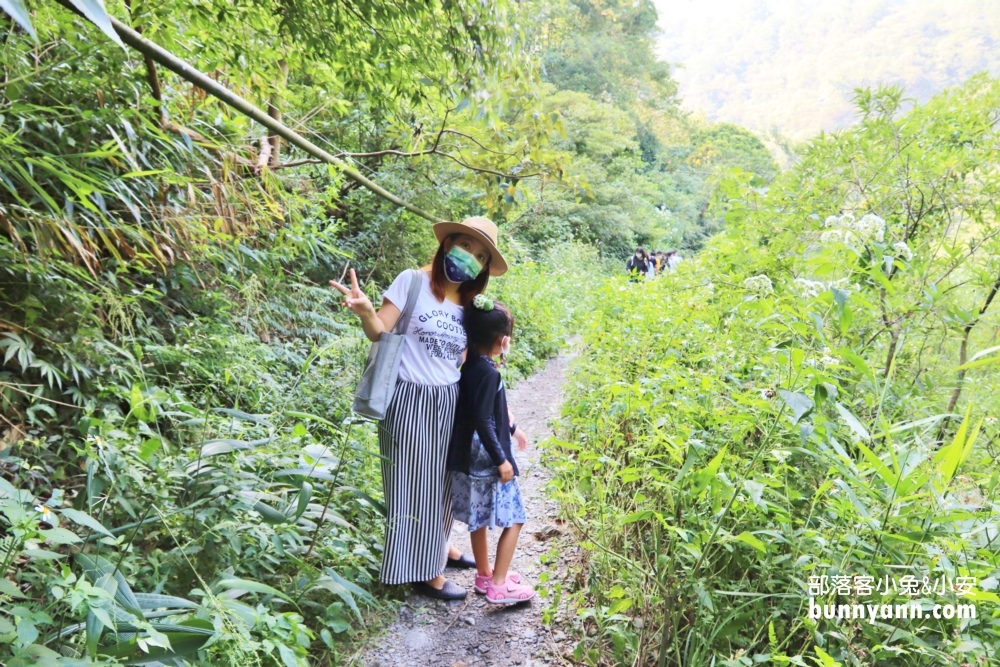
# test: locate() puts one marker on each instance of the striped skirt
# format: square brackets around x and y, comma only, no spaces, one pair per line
[413,440]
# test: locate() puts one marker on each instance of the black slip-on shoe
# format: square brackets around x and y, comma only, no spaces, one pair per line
[463,562]
[449,591]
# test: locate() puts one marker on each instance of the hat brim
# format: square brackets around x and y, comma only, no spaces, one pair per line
[498,265]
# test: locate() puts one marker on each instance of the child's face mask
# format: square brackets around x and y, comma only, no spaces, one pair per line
[460,265]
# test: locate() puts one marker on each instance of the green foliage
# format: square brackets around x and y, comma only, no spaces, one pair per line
[180,476]
[812,396]
[549,297]
[642,173]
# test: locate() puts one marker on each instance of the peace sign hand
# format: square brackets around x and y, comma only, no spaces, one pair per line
[356,300]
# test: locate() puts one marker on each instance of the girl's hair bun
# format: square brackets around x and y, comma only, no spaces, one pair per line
[482,302]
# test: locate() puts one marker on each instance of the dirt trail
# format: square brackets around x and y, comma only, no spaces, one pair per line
[472,633]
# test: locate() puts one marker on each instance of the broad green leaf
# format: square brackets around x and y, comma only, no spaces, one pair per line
[857,428]
[242,416]
[96,567]
[704,477]
[304,472]
[950,458]
[825,660]
[42,554]
[305,415]
[305,495]
[746,538]
[798,402]
[136,403]
[59,536]
[17,11]
[156,601]
[149,447]
[368,500]
[253,586]
[288,657]
[195,633]
[85,520]
[343,589]
[883,471]
[96,13]
[7,587]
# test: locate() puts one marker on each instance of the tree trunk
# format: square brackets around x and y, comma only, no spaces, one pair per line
[963,356]
[274,111]
[154,84]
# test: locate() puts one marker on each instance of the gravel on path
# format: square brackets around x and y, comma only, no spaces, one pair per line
[471,632]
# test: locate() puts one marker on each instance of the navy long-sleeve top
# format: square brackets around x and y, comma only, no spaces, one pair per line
[482,409]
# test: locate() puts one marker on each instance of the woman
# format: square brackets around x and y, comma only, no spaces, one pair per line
[414,436]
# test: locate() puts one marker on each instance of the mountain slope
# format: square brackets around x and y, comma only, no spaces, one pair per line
[794,65]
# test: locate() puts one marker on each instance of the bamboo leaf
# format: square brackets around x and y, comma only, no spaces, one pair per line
[252,586]
[84,519]
[96,567]
[17,11]
[96,13]
[949,458]
[883,471]
[704,477]
[242,416]
[157,601]
[800,404]
[746,538]
[857,428]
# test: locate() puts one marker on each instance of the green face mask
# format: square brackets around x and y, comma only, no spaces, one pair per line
[460,265]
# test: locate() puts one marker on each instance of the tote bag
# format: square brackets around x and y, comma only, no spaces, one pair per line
[378,382]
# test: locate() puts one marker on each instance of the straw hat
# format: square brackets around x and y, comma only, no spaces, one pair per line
[478,227]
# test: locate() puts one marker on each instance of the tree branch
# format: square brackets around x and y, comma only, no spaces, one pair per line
[412,154]
[963,353]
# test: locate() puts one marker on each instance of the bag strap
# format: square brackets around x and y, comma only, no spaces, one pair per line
[403,323]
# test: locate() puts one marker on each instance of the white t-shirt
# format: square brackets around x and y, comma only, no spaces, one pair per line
[435,339]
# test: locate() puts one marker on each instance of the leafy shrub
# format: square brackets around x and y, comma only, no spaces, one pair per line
[808,399]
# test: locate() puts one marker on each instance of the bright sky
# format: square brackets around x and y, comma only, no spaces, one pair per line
[794,64]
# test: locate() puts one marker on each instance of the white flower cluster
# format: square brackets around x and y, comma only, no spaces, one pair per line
[810,288]
[902,250]
[761,284]
[869,228]
[824,361]
[780,455]
[836,236]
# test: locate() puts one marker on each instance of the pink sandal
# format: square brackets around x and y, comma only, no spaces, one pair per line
[508,592]
[483,579]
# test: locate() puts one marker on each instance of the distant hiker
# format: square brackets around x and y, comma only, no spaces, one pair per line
[414,436]
[637,265]
[482,471]
[673,259]
[650,266]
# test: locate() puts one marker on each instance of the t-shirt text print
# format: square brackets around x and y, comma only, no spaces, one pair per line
[442,334]
[435,338]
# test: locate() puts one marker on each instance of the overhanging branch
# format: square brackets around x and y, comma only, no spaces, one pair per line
[231,99]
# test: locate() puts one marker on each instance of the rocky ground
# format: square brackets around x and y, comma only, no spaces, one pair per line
[472,633]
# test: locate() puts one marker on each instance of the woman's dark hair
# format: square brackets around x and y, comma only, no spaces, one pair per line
[483,328]
[468,290]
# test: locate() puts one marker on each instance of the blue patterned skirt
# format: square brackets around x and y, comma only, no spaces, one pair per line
[480,500]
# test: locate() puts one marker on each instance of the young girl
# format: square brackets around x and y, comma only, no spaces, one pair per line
[482,472]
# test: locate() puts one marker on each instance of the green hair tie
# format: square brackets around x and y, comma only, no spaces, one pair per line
[482,302]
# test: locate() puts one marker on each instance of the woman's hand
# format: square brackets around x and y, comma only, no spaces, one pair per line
[356,300]
[522,439]
[506,471]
